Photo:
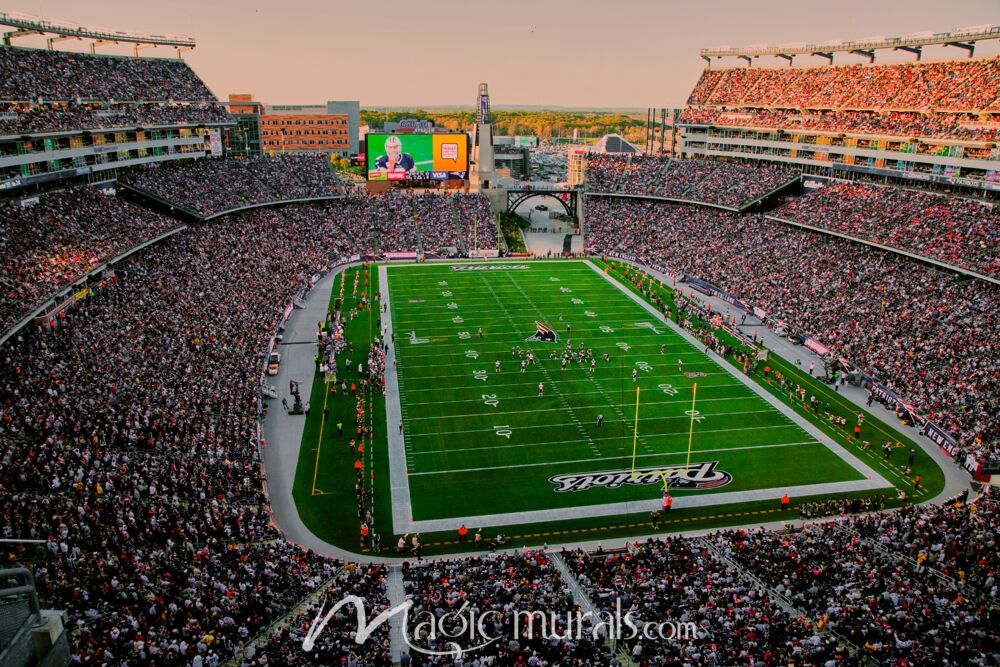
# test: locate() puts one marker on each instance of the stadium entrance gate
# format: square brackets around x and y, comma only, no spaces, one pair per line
[566,198]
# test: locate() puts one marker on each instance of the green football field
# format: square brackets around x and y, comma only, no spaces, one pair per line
[484,446]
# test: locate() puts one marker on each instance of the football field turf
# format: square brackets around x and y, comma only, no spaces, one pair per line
[482,447]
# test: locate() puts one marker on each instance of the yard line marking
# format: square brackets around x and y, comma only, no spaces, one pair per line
[616,438]
[577,422]
[503,349]
[607,459]
[589,393]
[540,368]
[857,464]
[618,409]
[548,378]
[503,343]
[425,323]
[518,412]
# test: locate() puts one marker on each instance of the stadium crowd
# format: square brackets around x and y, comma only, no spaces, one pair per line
[961,232]
[498,590]
[335,643]
[129,443]
[970,85]
[24,119]
[900,124]
[680,581]
[949,100]
[48,244]
[890,610]
[128,440]
[957,539]
[477,224]
[925,334]
[30,75]
[210,187]
[398,221]
[730,184]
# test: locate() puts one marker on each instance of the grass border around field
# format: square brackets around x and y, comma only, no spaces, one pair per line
[932,477]
[332,516]
[489,501]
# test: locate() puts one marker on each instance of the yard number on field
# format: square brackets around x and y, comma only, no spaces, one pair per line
[491,400]
[479,375]
[503,431]
[695,415]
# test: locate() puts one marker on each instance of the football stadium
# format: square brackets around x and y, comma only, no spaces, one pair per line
[335,384]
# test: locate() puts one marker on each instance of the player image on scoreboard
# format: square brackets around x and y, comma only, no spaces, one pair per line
[394,160]
[398,157]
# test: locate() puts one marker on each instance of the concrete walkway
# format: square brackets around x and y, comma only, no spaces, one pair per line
[396,594]
[283,432]
[540,244]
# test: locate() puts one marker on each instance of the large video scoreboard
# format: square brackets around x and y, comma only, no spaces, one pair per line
[413,157]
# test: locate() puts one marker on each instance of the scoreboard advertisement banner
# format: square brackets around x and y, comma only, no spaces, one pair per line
[417,157]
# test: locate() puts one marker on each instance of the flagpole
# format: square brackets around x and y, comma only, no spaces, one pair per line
[475,229]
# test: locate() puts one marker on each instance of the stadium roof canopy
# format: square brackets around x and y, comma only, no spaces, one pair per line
[613,143]
[26,24]
[964,38]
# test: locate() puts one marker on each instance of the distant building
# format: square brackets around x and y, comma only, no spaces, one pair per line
[244,139]
[408,125]
[576,167]
[332,128]
[351,109]
[614,143]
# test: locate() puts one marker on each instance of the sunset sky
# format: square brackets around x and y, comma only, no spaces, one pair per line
[578,53]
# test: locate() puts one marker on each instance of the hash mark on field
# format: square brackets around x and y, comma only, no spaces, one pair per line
[548,378]
[614,406]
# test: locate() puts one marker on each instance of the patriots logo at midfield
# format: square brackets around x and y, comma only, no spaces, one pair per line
[695,477]
[543,333]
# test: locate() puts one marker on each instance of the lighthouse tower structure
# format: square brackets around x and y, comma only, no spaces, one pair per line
[485,171]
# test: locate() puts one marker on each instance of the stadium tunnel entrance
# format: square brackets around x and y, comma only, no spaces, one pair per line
[568,199]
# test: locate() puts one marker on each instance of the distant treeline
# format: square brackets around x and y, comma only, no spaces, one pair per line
[528,123]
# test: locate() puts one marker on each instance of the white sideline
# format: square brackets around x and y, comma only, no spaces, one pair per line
[402,518]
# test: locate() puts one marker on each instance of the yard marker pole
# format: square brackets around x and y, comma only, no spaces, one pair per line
[694,394]
[635,433]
